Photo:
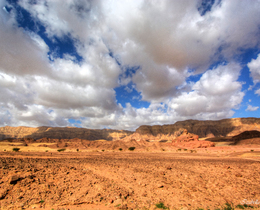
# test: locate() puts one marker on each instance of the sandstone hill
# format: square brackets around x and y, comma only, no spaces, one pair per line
[204,129]
[8,132]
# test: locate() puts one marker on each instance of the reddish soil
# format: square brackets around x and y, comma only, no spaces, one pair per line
[129,180]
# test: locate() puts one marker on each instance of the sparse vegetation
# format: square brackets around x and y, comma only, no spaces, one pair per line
[161,206]
[248,206]
[61,150]
[185,149]
[228,207]
[240,206]
[131,148]
[16,149]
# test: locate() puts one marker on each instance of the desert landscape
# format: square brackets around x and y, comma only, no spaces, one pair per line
[187,165]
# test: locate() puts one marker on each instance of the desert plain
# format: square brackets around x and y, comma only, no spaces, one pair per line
[204,178]
[156,167]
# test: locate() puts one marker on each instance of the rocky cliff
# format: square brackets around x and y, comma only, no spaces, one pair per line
[8,132]
[204,129]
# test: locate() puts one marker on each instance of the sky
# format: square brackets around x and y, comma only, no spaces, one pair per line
[121,64]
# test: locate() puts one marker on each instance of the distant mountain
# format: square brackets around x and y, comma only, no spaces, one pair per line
[204,129]
[8,132]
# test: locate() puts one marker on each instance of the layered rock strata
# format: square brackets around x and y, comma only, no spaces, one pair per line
[8,132]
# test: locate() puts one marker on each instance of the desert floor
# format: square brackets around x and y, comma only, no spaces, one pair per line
[205,179]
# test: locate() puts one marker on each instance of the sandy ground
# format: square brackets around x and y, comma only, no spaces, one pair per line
[206,179]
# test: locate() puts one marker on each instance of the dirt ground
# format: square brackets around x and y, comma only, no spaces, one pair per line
[205,179]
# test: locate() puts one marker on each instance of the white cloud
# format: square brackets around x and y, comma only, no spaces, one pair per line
[254,67]
[169,40]
[21,53]
[164,35]
[252,108]
[257,92]
[216,91]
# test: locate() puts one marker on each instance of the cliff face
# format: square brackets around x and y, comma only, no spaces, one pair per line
[209,129]
[61,133]
[204,129]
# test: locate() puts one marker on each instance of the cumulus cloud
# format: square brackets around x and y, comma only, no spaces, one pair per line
[216,91]
[21,53]
[252,108]
[169,42]
[254,67]
[257,92]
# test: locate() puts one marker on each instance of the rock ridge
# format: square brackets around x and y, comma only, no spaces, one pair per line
[8,132]
[204,129]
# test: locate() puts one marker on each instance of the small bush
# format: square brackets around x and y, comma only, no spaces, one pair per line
[248,206]
[77,150]
[41,201]
[61,150]
[120,149]
[103,150]
[178,150]
[131,148]
[162,149]
[228,207]
[185,149]
[161,206]
[16,149]
[252,150]
[240,206]
[46,151]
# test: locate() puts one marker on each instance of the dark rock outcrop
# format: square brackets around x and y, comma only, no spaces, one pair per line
[247,137]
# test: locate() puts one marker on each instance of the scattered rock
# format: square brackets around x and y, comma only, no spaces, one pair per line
[14,179]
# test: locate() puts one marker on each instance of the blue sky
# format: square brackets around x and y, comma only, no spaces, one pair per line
[122,64]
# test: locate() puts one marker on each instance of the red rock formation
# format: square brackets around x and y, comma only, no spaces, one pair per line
[189,140]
